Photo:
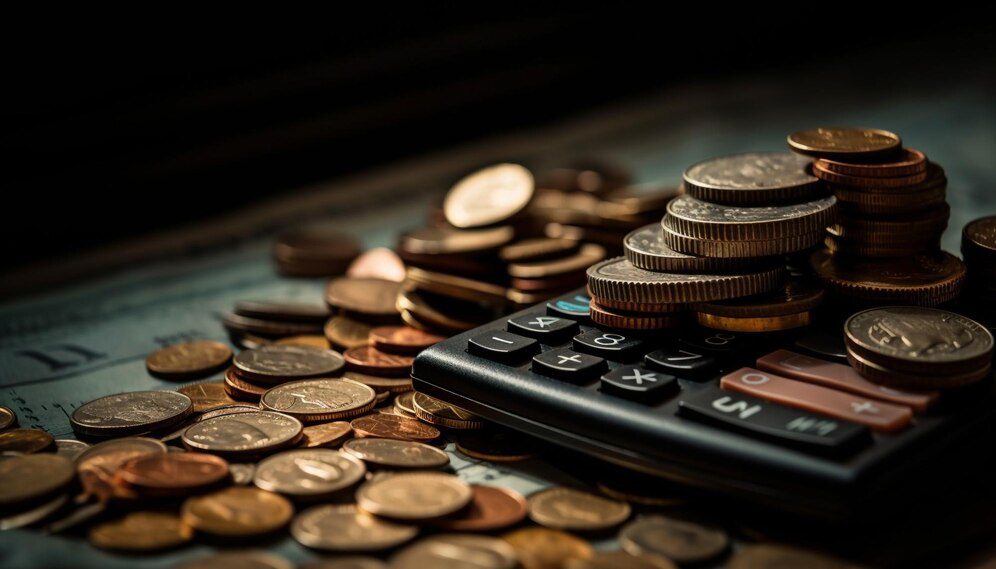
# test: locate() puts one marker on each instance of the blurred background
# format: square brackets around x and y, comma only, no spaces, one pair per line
[109,136]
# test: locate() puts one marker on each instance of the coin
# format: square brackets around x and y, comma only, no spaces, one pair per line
[30,477]
[239,388]
[450,241]
[632,320]
[910,161]
[754,324]
[309,473]
[414,495]
[345,528]
[618,280]
[370,297]
[7,418]
[173,474]
[314,251]
[574,510]
[207,396]
[32,515]
[926,279]
[237,512]
[896,182]
[914,382]
[394,427]
[70,448]
[313,400]
[705,220]
[241,560]
[130,413]
[542,548]
[435,312]
[243,433]
[189,359]
[140,531]
[404,404]
[456,286]
[737,248]
[378,263]
[846,144]
[854,200]
[925,226]
[432,410]
[237,324]
[775,556]
[613,559]
[368,359]
[537,249]
[648,197]
[678,540]
[753,178]
[795,297]
[490,509]
[586,256]
[402,339]
[306,340]
[241,473]
[638,306]
[98,465]
[345,332]
[978,240]
[327,435]
[392,453]
[645,248]
[456,551]
[489,196]
[345,562]
[284,311]
[276,364]
[496,445]
[382,384]
[25,441]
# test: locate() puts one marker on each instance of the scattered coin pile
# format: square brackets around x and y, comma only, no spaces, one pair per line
[885,245]
[315,251]
[978,249]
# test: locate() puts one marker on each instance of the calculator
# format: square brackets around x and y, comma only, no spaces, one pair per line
[773,419]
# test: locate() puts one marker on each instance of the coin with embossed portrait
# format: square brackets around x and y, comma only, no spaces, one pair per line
[393,453]
[277,364]
[755,177]
[314,400]
[574,510]
[345,528]
[130,413]
[309,473]
[237,512]
[243,433]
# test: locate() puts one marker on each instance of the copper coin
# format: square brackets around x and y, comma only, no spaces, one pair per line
[373,297]
[538,249]
[237,324]
[345,332]
[382,384]
[754,324]
[307,340]
[404,404]
[237,560]
[589,176]
[402,339]
[489,196]
[7,418]
[378,263]
[456,286]
[140,532]
[97,466]
[925,280]
[239,388]
[26,441]
[314,251]
[189,359]
[207,396]
[491,508]
[326,435]
[909,162]
[574,510]
[173,474]
[237,512]
[614,559]
[283,311]
[278,364]
[542,548]
[897,182]
[394,427]
[424,309]
[845,144]
[632,320]
[680,541]
[371,360]
[450,241]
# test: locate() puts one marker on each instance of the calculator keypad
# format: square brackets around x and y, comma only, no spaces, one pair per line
[547,329]
[503,346]
[683,360]
[639,384]
[565,363]
[612,345]
[573,306]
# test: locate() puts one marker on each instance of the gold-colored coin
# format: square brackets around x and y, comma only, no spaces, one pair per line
[426,311]
[681,541]
[346,528]
[925,280]
[370,297]
[189,359]
[345,332]
[238,560]
[845,144]
[237,512]
[456,286]
[25,440]
[396,454]
[796,296]
[7,418]
[775,556]
[381,384]
[910,162]
[432,410]
[207,396]
[141,531]
[574,510]
[542,548]
[489,196]
[404,404]
[306,340]
[756,324]
[896,182]
[29,477]
[326,435]
[313,400]
[414,495]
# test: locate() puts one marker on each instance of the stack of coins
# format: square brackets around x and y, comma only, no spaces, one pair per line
[885,247]
[978,249]
[314,251]
[255,323]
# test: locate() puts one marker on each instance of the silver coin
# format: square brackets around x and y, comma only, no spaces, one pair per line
[242,472]
[243,433]
[392,453]
[457,551]
[320,399]
[226,410]
[237,560]
[130,413]
[645,248]
[277,363]
[755,177]
[70,448]
[346,528]
[706,220]
[309,473]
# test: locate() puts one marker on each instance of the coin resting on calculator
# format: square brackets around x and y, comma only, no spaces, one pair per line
[782,331]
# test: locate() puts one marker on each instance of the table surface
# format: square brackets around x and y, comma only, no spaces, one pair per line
[60,349]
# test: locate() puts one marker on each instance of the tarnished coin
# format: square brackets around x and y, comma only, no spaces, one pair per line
[189,359]
[345,332]
[978,241]
[615,559]
[313,400]
[908,162]
[414,495]
[173,474]
[845,144]
[538,249]
[451,241]
[130,413]
[432,410]
[7,418]
[914,382]
[326,435]
[542,548]
[141,531]
[394,427]
[756,323]
[345,528]
[568,509]
[237,512]
[29,477]
[246,326]
[402,339]
[490,509]
[795,297]
[32,515]
[925,280]
[645,248]
[730,249]
[613,318]
[243,433]
[70,448]
[588,255]
[706,220]
[456,552]
[404,404]
[432,312]
[98,465]
[619,280]
[870,183]
[284,311]
[371,297]
[397,454]
[25,441]
[496,445]
[277,364]
[382,384]
[370,360]
[207,396]
[753,178]
[314,251]
[306,340]
[775,556]
[240,389]
[489,196]
[309,473]
[678,540]
[345,562]
[456,286]
[240,560]
[378,263]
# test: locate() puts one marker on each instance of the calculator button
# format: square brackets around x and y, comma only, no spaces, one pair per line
[842,377]
[573,306]
[564,363]
[611,345]
[639,384]
[547,329]
[682,360]
[772,421]
[502,346]
[713,341]
[875,414]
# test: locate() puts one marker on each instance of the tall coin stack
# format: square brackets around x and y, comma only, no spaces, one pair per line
[885,247]
[720,250]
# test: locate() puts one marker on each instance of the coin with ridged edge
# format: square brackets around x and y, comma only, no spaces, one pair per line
[925,280]
[638,306]
[914,382]
[394,427]
[978,240]
[632,320]
[847,144]
[432,410]
[753,178]
[333,527]
[705,220]
[243,433]
[862,182]
[739,248]
[911,161]
[313,400]
[646,248]
[130,413]
[277,364]
[617,279]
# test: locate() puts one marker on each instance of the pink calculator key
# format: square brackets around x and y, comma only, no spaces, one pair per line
[875,414]
[840,376]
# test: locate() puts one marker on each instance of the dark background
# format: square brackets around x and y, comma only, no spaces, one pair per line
[113,134]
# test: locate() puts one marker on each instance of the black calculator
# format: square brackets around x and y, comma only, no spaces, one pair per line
[773,419]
